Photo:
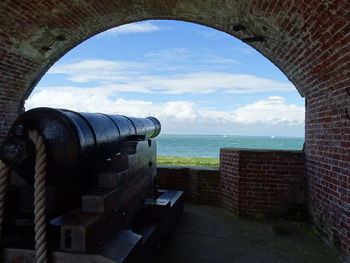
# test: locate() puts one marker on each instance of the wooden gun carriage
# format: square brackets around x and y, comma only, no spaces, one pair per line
[102,203]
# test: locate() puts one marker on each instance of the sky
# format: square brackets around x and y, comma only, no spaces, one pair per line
[194,79]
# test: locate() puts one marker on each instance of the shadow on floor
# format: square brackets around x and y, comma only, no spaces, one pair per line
[207,234]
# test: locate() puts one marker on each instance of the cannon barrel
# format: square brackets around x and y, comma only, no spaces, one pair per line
[73,140]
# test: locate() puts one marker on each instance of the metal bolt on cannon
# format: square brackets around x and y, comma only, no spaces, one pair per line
[95,198]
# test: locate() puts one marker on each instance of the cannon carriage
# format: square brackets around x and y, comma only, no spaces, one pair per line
[101,201]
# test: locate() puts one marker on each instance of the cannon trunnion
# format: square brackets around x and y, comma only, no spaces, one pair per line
[102,200]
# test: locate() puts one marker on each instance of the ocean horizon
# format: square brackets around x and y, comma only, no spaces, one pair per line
[208,146]
[232,135]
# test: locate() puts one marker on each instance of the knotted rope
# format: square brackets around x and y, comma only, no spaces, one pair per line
[39,197]
[4,175]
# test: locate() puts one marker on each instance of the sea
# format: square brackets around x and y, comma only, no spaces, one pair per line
[209,145]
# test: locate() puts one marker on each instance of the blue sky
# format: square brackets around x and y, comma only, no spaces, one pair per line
[195,79]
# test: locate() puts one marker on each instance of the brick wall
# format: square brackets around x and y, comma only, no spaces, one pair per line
[200,184]
[229,179]
[262,183]
[328,168]
[255,183]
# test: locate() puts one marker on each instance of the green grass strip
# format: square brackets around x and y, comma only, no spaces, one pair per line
[188,161]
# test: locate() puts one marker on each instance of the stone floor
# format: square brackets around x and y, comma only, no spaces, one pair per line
[207,234]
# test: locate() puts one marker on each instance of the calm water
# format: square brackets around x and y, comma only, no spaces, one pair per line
[209,145]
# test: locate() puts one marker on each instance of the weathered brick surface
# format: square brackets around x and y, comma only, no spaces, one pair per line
[257,183]
[328,169]
[262,183]
[229,179]
[200,184]
[307,39]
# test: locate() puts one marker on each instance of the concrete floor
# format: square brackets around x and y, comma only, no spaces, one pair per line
[207,234]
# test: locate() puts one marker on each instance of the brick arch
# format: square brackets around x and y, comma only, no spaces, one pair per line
[307,39]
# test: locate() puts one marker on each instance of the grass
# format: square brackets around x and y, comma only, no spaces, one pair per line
[188,161]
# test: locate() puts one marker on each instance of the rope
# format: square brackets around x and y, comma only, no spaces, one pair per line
[4,175]
[39,197]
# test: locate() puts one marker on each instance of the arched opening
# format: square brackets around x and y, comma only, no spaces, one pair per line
[314,59]
[194,79]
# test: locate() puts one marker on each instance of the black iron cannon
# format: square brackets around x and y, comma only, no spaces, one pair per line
[75,141]
[101,198]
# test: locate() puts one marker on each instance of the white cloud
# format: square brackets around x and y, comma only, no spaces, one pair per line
[98,70]
[208,82]
[122,76]
[140,27]
[184,55]
[272,111]
[170,54]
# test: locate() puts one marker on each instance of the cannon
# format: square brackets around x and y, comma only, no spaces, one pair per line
[75,141]
[102,202]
